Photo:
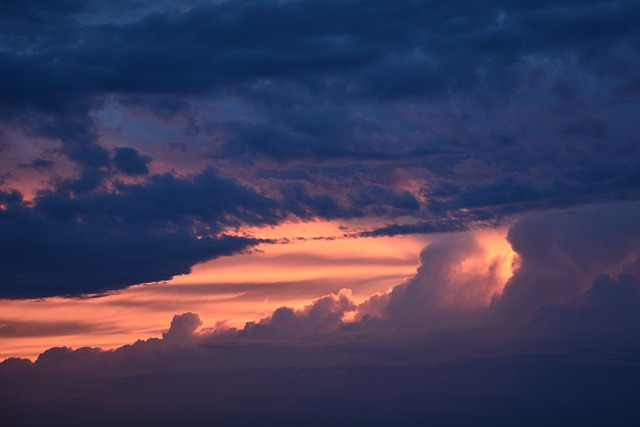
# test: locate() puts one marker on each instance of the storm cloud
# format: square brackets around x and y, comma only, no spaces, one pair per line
[473,366]
[140,140]
[426,117]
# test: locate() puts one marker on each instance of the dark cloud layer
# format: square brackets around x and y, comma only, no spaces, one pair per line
[423,358]
[450,113]
[109,240]
[128,161]
[64,243]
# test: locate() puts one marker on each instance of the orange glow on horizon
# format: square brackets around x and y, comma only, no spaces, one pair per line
[235,289]
[244,287]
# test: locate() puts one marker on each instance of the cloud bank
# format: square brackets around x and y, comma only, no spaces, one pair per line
[197,119]
[453,345]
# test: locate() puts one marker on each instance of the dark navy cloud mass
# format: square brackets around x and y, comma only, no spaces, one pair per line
[451,113]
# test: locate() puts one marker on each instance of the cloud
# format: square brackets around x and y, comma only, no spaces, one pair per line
[182,328]
[562,254]
[424,116]
[38,164]
[324,315]
[608,310]
[63,245]
[12,328]
[426,227]
[487,111]
[130,162]
[434,348]
[456,275]
[65,242]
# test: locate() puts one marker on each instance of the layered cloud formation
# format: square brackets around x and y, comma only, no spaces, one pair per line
[137,142]
[450,345]
[158,133]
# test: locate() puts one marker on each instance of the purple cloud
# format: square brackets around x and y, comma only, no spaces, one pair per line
[295,362]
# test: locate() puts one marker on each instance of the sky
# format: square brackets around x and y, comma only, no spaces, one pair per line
[306,212]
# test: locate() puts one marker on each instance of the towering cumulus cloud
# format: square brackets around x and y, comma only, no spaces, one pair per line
[448,346]
[562,254]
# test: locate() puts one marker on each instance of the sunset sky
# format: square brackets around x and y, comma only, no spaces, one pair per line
[319,212]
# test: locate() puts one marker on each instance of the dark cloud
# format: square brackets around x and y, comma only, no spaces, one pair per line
[608,310]
[505,106]
[454,362]
[427,227]
[381,197]
[76,239]
[371,49]
[562,254]
[38,164]
[144,232]
[10,199]
[450,114]
[130,162]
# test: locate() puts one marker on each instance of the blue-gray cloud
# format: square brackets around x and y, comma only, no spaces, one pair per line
[452,114]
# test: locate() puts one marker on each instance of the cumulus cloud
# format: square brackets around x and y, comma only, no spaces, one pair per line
[324,315]
[182,327]
[577,341]
[454,272]
[562,254]
[608,310]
